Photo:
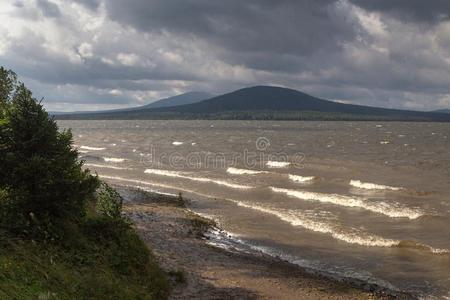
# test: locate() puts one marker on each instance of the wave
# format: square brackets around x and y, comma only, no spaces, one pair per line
[107,167]
[300,220]
[161,185]
[198,179]
[146,189]
[138,181]
[373,186]
[91,148]
[392,210]
[232,242]
[278,164]
[177,143]
[296,218]
[301,179]
[236,171]
[351,236]
[113,159]
[419,246]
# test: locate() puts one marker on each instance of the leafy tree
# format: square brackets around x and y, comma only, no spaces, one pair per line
[40,172]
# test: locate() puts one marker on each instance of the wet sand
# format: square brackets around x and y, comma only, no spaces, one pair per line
[175,235]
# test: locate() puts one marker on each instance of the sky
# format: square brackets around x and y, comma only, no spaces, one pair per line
[103,54]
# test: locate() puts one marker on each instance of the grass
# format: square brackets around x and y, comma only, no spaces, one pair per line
[200,224]
[103,260]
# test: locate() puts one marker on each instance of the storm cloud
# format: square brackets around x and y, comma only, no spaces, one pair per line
[90,54]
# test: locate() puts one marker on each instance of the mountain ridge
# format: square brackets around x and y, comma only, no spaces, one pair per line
[442,111]
[181,99]
[271,102]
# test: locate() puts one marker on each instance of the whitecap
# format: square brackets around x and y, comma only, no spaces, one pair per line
[92,148]
[298,219]
[107,167]
[177,174]
[373,186]
[278,164]
[236,171]
[392,209]
[301,179]
[177,143]
[113,159]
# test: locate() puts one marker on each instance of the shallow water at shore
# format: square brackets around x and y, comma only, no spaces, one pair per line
[362,199]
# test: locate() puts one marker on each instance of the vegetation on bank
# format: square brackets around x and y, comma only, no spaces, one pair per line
[243,115]
[62,232]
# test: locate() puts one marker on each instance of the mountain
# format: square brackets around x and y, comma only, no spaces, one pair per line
[270,103]
[186,98]
[443,111]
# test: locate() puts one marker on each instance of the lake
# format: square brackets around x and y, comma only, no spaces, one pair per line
[364,200]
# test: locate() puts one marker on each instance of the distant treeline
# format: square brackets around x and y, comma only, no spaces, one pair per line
[245,115]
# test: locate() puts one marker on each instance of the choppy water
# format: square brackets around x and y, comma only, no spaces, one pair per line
[359,199]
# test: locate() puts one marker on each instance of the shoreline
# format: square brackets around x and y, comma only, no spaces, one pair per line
[183,243]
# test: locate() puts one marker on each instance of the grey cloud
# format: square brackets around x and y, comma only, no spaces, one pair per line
[281,27]
[91,4]
[319,46]
[48,9]
[412,10]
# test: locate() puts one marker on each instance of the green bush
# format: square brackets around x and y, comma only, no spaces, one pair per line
[111,262]
[109,202]
[41,172]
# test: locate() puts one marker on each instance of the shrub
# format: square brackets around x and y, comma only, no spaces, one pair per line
[109,201]
[41,172]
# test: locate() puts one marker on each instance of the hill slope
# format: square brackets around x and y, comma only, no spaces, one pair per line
[267,102]
[443,111]
[187,98]
[182,99]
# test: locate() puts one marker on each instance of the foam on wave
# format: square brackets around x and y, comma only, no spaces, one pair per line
[161,185]
[351,236]
[137,181]
[372,186]
[297,219]
[107,167]
[278,164]
[423,247]
[301,179]
[198,179]
[236,171]
[114,159]
[92,148]
[392,210]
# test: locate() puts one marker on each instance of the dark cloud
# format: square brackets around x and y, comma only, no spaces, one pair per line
[255,26]
[411,10]
[91,4]
[393,53]
[48,9]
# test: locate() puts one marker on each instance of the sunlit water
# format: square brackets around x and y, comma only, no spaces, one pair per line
[356,199]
